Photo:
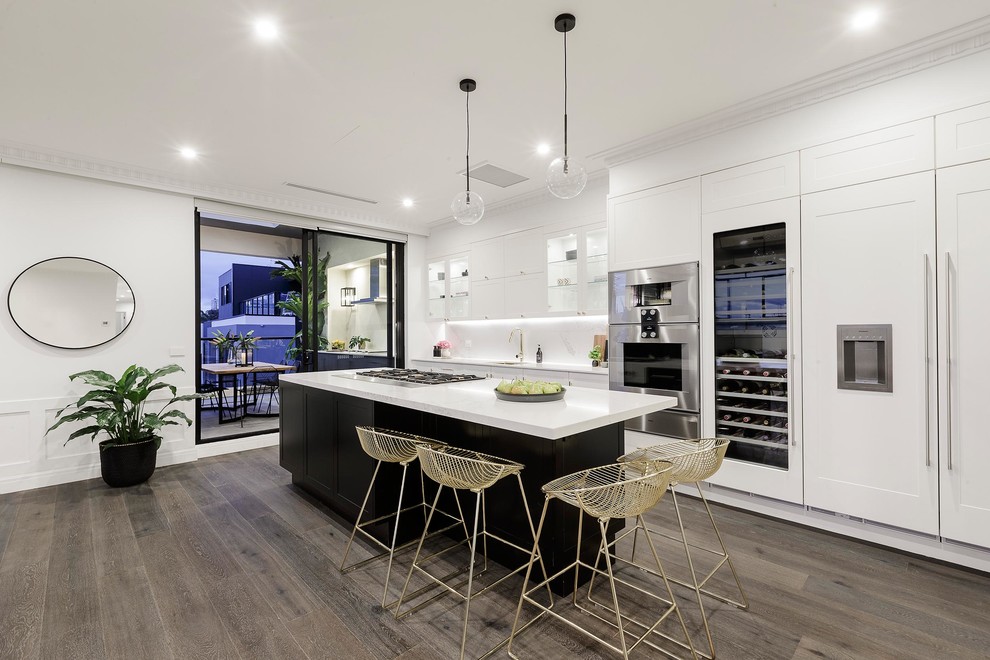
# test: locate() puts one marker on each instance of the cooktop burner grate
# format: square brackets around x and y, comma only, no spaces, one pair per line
[417,376]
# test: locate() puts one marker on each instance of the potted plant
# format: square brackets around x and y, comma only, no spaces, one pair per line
[116,407]
[223,342]
[596,355]
[358,342]
[245,348]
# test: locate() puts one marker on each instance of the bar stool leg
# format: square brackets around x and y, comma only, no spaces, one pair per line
[602,523]
[419,548]
[474,545]
[360,514]
[745,601]
[694,575]
[395,534]
[666,583]
[529,571]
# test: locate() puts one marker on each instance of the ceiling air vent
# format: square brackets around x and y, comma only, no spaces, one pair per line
[496,175]
[330,192]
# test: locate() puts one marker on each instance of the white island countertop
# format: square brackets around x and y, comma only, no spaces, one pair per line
[581,409]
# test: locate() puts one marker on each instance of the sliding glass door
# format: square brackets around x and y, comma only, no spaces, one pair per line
[351,301]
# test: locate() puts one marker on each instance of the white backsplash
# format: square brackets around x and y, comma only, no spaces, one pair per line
[564,340]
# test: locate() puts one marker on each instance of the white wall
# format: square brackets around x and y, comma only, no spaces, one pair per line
[146,236]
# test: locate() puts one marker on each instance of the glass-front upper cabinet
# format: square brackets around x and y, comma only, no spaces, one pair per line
[448,285]
[577,271]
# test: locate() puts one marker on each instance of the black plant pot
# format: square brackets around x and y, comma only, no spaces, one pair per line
[128,464]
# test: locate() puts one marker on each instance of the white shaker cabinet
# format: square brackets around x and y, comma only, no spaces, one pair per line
[655,227]
[523,253]
[962,136]
[488,299]
[487,260]
[868,258]
[964,316]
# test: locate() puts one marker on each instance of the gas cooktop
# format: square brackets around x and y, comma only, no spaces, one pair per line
[417,376]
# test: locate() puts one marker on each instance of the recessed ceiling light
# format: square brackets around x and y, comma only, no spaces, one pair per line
[543,149]
[864,19]
[265,28]
[407,203]
[188,153]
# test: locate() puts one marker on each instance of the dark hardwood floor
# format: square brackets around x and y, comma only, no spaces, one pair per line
[224,558]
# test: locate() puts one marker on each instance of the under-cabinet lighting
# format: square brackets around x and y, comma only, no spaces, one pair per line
[542,320]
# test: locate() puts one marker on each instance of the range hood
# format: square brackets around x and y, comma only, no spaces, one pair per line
[377,282]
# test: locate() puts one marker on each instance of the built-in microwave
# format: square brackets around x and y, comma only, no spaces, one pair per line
[667,293]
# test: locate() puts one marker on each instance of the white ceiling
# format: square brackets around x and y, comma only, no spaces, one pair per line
[362,98]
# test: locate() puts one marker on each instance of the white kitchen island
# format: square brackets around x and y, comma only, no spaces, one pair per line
[581,409]
[319,446]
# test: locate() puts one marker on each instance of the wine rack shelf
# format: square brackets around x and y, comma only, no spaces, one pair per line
[782,398]
[765,379]
[753,427]
[722,408]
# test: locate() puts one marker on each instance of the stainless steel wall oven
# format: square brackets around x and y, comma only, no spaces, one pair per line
[655,343]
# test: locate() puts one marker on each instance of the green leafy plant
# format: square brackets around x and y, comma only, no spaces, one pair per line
[356,341]
[595,353]
[223,342]
[247,341]
[293,270]
[116,407]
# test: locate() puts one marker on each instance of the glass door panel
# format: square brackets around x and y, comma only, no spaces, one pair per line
[596,277]
[562,273]
[751,374]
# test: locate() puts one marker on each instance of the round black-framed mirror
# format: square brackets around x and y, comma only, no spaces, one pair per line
[71,302]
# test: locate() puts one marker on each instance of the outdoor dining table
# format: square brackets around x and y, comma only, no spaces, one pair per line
[223,369]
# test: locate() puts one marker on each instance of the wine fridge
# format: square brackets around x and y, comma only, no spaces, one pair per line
[752,403]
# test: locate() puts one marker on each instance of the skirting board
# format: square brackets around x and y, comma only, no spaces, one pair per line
[81,473]
[918,544]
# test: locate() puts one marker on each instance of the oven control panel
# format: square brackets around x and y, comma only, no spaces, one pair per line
[649,317]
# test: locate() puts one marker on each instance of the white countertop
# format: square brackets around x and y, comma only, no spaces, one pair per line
[548,366]
[581,409]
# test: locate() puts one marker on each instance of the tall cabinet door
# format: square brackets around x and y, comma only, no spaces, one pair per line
[751,339]
[964,315]
[868,255]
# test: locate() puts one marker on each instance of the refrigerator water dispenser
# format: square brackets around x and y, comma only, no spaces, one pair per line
[865,357]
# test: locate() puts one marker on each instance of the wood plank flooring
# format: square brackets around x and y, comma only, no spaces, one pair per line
[224,558]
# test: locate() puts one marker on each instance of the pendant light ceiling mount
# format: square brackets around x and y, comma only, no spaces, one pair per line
[467,207]
[564,22]
[566,177]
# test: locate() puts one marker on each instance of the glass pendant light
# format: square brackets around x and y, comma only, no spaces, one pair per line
[468,207]
[566,176]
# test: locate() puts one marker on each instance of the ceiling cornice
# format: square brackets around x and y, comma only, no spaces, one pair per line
[937,49]
[66,163]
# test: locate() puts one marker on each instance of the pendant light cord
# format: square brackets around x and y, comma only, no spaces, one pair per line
[565,99]
[467,148]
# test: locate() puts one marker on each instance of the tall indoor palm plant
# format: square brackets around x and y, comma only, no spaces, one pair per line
[294,271]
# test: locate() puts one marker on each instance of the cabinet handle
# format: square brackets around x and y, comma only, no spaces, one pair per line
[790,353]
[928,412]
[948,359]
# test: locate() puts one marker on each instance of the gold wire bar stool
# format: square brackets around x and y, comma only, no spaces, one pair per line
[619,490]
[387,446]
[693,461]
[463,469]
